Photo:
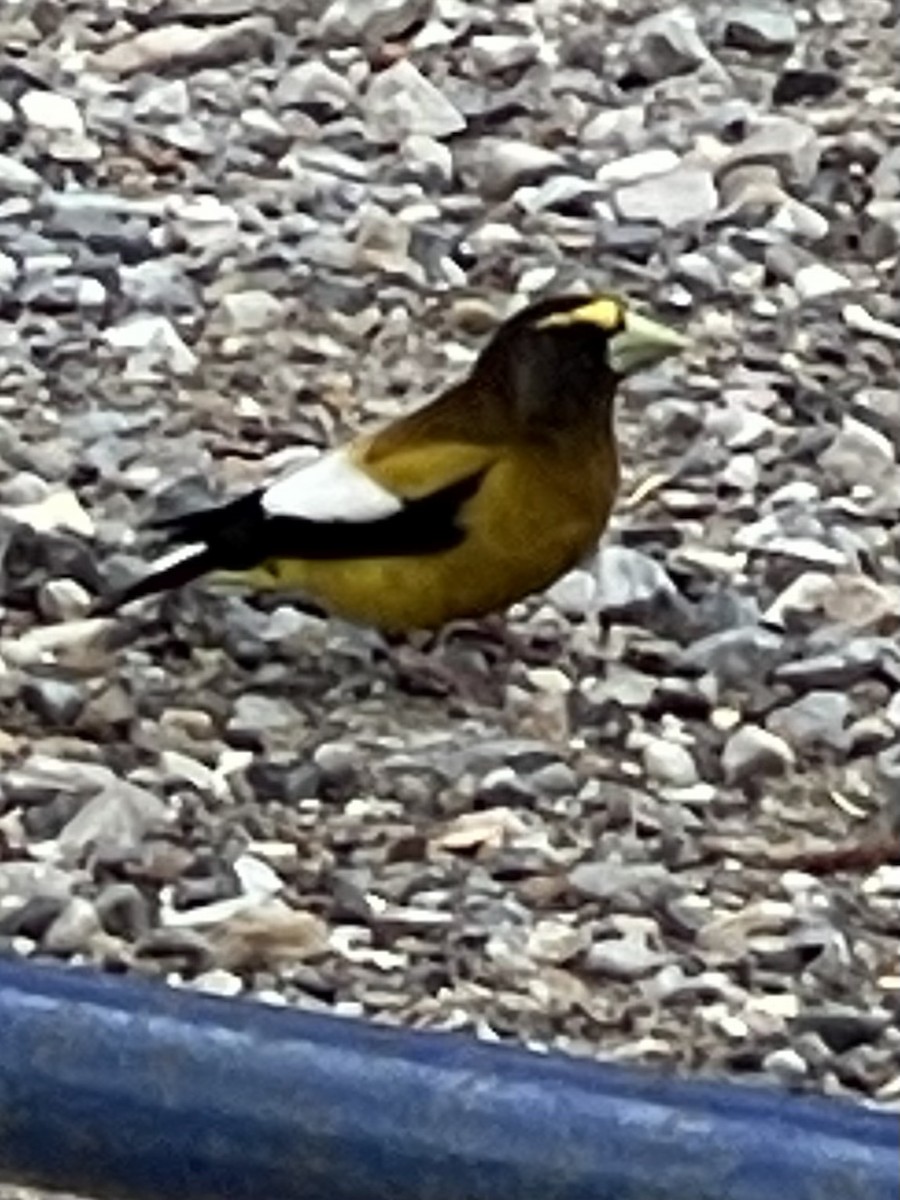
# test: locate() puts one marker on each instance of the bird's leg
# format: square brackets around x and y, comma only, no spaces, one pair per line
[425,664]
[494,635]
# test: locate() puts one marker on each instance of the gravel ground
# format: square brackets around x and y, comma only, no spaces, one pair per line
[665,829]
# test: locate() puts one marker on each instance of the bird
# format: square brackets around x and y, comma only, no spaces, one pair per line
[454,511]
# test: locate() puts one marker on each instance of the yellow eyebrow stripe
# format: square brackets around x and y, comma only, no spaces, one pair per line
[605,313]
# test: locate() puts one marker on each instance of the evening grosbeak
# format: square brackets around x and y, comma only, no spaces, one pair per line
[490,492]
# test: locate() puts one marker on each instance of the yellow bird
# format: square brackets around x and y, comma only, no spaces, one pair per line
[487,494]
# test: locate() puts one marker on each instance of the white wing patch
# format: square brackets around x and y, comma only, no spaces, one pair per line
[332,488]
[173,557]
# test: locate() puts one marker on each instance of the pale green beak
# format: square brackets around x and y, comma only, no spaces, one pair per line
[642,343]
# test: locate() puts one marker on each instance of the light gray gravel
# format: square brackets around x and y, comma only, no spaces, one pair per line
[665,829]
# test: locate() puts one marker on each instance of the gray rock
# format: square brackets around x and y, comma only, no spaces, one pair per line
[741,427]
[493,52]
[736,655]
[123,910]
[337,760]
[855,661]
[764,26]
[669,763]
[841,1027]
[636,167]
[575,594]
[169,47]
[31,919]
[631,689]
[313,83]
[116,820]
[429,160]
[555,779]
[158,285]
[630,582]
[401,101]
[507,165]
[17,179]
[24,881]
[555,942]
[74,929]
[787,1066]
[616,126]
[154,344]
[252,311]
[255,717]
[625,959]
[372,21]
[168,100]
[752,753]
[667,44]
[817,719]
[53,700]
[790,146]
[616,881]
[24,488]
[564,192]
[676,198]
[860,454]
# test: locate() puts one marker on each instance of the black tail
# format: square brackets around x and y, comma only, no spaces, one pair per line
[226,537]
[175,576]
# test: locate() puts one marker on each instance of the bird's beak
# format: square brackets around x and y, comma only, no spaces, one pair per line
[642,343]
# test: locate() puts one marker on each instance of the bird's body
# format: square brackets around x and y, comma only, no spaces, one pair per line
[488,494]
[532,517]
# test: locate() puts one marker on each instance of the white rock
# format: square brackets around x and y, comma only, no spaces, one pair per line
[805,594]
[313,82]
[575,594]
[165,101]
[372,21]
[156,343]
[502,51]
[785,1064]
[509,164]
[859,454]
[258,880]
[430,154]
[52,112]
[16,179]
[799,220]
[672,199]
[63,599]
[751,752]
[401,101]
[669,763]
[623,123]
[817,279]
[176,44]
[760,27]
[60,510]
[120,816]
[218,982]
[858,319]
[252,310]
[633,167]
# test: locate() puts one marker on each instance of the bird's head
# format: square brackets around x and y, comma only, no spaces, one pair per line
[565,355]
